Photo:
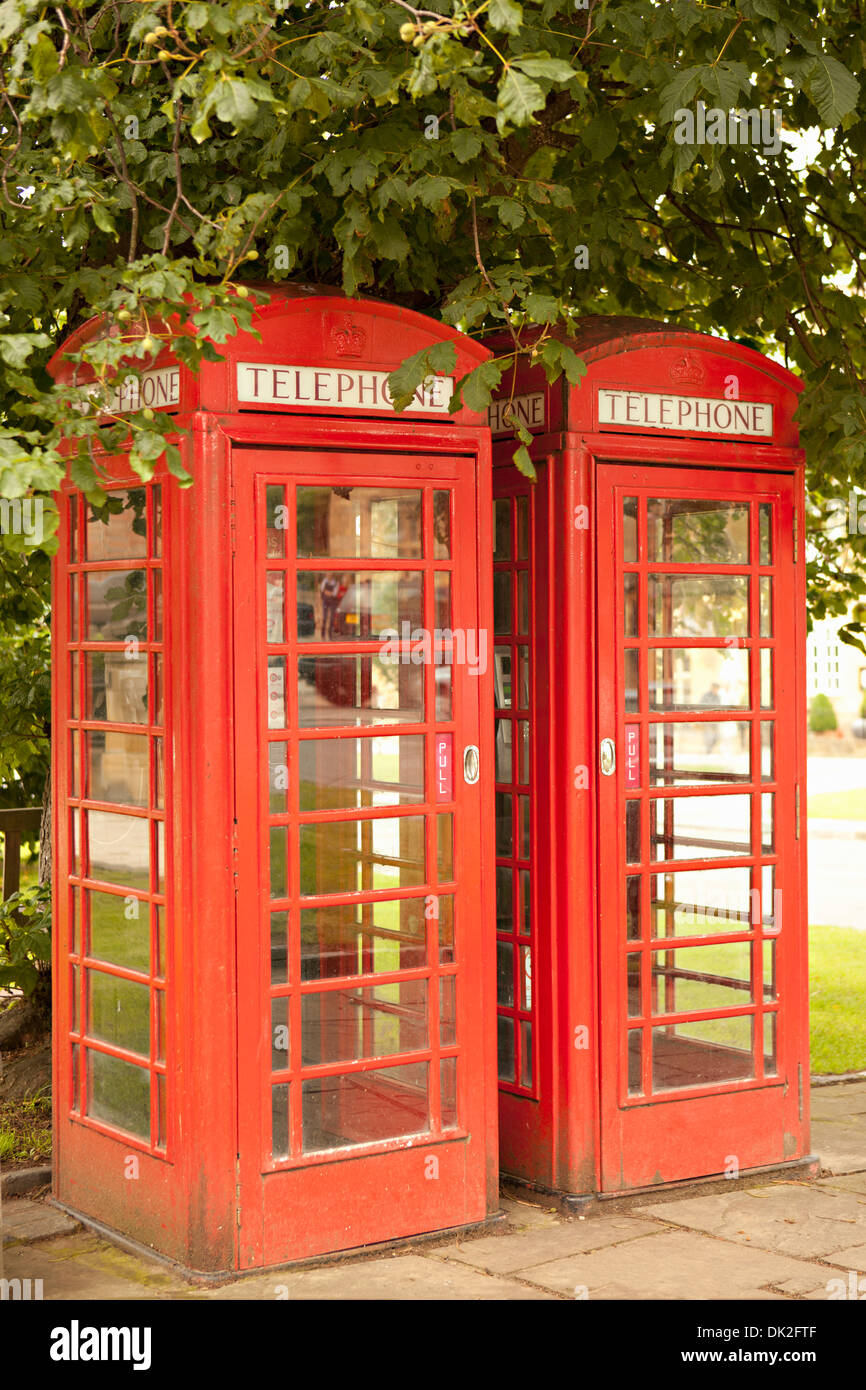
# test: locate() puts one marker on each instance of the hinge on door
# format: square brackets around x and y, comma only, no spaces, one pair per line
[797,811]
[796,532]
[235,852]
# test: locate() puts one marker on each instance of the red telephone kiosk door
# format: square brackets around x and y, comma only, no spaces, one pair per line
[359,895]
[699,1024]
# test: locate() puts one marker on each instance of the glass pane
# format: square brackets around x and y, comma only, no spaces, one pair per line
[505,1048]
[633,979]
[365,1107]
[73,607]
[632,907]
[120,930]
[768,825]
[357,856]
[700,605]
[117,768]
[364,939]
[769,950]
[156,604]
[115,687]
[766,605]
[160,930]
[523,827]
[118,1012]
[632,680]
[504,826]
[765,522]
[630,604]
[694,978]
[448,1091]
[766,678]
[502,677]
[442,677]
[346,1025]
[525,1052]
[447,943]
[276,521]
[442,525]
[698,531]
[76,933]
[693,677]
[279,948]
[770,1054]
[701,902]
[635,1058]
[364,523]
[278,778]
[280,1121]
[504,899]
[502,528]
[75,983]
[157,690]
[119,848]
[73,528]
[74,674]
[276,607]
[504,732]
[159,1000]
[629,530]
[522,528]
[523,736]
[523,601]
[505,974]
[116,605]
[768,762]
[279,867]
[158,773]
[118,529]
[502,615]
[523,679]
[445,846]
[632,832]
[156,514]
[277,692]
[161,1112]
[685,754]
[525,901]
[771,900]
[345,690]
[701,827]
[159,839]
[524,977]
[358,605]
[704,1053]
[447,1010]
[442,600]
[353,773]
[280,1057]
[118,1093]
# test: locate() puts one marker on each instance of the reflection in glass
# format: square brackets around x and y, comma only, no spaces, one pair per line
[504,729]
[522,528]
[115,686]
[768,827]
[118,1093]
[366,523]
[705,605]
[279,948]
[445,846]
[119,848]
[699,677]
[362,855]
[635,1057]
[504,899]
[280,1058]
[277,717]
[116,605]
[447,1010]
[632,680]
[120,930]
[698,531]
[280,1121]
[345,690]
[347,939]
[765,521]
[766,605]
[629,530]
[768,768]
[365,1107]
[523,677]
[632,906]
[118,1011]
[686,754]
[692,979]
[353,773]
[523,601]
[525,1026]
[766,678]
[276,521]
[117,767]
[502,677]
[630,604]
[701,902]
[448,1091]
[502,528]
[117,530]
[505,974]
[771,1065]
[441,525]
[279,850]
[505,1048]
[278,778]
[525,902]
[704,1053]
[344,605]
[276,604]
[701,827]
[632,832]
[504,829]
[502,601]
[633,983]
[523,827]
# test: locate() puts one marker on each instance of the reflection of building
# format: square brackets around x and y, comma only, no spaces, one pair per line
[835,669]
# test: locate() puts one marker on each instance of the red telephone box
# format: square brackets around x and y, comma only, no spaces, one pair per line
[274,993]
[649,654]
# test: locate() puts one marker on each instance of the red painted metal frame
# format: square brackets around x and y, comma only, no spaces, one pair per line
[184,1203]
[554,1141]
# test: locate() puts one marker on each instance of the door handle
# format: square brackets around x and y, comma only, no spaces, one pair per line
[471,764]
[607,757]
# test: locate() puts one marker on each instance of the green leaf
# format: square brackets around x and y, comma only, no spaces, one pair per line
[517,97]
[43,59]
[404,381]
[523,463]
[15,348]
[552,68]
[103,219]
[505,15]
[476,389]
[234,103]
[466,144]
[834,91]
[601,135]
[542,308]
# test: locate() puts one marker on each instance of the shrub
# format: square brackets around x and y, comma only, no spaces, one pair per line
[25,944]
[822,716]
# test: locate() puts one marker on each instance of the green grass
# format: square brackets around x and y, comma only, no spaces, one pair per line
[837,990]
[849,805]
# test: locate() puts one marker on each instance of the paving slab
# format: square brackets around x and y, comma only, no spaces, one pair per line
[408,1278]
[523,1215]
[791,1218]
[79,1279]
[509,1254]
[844,1182]
[675,1265]
[21,1219]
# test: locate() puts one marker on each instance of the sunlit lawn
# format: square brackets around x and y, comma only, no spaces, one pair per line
[843,805]
[837,992]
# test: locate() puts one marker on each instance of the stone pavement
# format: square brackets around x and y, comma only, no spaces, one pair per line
[778,1240]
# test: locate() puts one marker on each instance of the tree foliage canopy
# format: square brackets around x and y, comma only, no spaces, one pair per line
[452,158]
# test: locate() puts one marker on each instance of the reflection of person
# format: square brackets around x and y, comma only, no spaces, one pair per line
[711,731]
[329,590]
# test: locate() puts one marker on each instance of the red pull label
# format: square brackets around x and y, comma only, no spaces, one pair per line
[632,755]
[444,767]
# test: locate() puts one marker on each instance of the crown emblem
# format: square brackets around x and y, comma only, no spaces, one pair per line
[688,370]
[349,339]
